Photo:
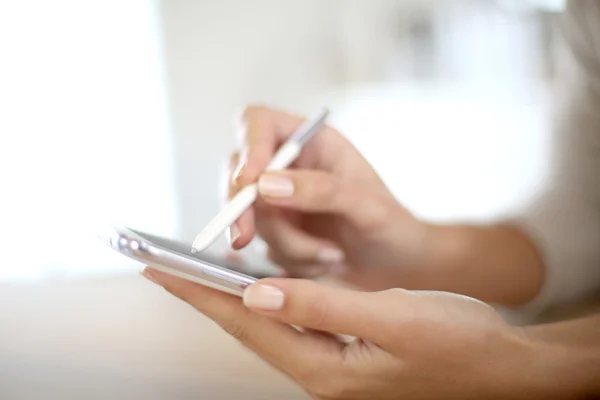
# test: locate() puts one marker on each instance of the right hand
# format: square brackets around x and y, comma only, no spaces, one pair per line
[328,213]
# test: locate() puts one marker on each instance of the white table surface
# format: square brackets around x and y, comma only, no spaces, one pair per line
[121,337]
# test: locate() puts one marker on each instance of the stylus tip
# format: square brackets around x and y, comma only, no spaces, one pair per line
[202,242]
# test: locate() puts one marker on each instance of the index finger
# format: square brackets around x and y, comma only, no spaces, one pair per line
[305,303]
[261,131]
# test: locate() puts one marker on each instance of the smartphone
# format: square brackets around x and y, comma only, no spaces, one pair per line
[176,258]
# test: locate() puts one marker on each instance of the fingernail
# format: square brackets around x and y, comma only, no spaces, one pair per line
[263,297]
[146,274]
[330,256]
[234,234]
[238,174]
[275,186]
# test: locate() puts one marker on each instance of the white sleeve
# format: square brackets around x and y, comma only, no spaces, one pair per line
[564,219]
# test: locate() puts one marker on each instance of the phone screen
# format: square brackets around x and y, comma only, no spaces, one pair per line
[185,250]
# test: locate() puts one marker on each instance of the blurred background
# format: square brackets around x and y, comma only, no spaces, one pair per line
[121,112]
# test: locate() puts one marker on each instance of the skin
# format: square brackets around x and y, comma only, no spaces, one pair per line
[413,344]
[332,214]
[339,202]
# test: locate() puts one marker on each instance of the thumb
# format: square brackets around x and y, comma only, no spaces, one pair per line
[309,304]
[323,192]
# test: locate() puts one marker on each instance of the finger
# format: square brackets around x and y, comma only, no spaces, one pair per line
[280,344]
[312,305]
[232,171]
[261,131]
[241,232]
[235,258]
[282,261]
[323,192]
[291,269]
[279,260]
[294,244]
[299,271]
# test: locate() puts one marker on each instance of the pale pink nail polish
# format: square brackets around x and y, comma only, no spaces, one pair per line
[237,176]
[234,234]
[330,256]
[275,186]
[263,297]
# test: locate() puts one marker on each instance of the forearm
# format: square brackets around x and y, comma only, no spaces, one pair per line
[565,358]
[497,264]
[581,333]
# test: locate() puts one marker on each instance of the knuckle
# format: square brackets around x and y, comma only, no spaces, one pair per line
[252,111]
[392,296]
[378,210]
[286,247]
[234,161]
[333,191]
[243,113]
[386,207]
[394,293]
[245,117]
[329,192]
[320,188]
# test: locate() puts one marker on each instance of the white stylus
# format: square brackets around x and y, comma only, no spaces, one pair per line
[286,154]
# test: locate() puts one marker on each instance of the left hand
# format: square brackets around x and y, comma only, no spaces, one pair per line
[417,345]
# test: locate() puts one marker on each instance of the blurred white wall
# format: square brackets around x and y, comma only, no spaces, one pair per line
[84,132]
[122,110]
[437,95]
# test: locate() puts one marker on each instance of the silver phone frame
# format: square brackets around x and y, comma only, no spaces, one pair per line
[127,242]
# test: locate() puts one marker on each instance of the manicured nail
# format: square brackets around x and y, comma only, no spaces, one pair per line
[275,186]
[234,234]
[263,297]
[330,256]
[237,176]
[148,275]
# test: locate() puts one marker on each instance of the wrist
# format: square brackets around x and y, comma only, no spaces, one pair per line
[445,255]
[546,370]
[446,246]
[496,264]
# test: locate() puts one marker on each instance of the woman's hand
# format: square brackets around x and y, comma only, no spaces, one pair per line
[329,213]
[417,345]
